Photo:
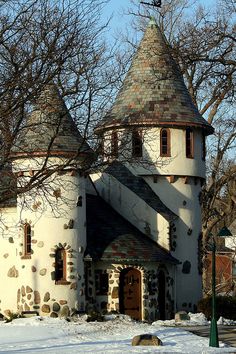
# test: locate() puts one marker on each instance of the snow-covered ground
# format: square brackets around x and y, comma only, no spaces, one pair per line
[58,336]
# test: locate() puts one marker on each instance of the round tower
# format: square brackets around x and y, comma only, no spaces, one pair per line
[157,131]
[48,159]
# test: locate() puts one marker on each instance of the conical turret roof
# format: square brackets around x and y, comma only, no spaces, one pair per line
[50,129]
[153,92]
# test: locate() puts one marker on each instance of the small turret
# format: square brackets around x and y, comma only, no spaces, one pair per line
[50,130]
[49,157]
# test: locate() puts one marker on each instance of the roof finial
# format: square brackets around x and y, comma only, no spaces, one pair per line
[152,21]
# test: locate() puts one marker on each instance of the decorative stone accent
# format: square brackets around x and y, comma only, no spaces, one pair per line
[34,241]
[33,268]
[115,293]
[73,286]
[43,271]
[13,272]
[65,312]
[62,302]
[40,244]
[45,308]
[181,316]
[28,289]
[26,307]
[37,298]
[46,297]
[29,296]
[56,307]
[23,293]
[11,240]
[53,314]
[7,312]
[146,339]
[18,295]
[6,255]
[36,307]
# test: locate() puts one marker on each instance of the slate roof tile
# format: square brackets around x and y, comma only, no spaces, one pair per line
[110,237]
[153,82]
[50,128]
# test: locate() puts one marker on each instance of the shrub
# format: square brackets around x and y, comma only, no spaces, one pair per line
[95,316]
[225,307]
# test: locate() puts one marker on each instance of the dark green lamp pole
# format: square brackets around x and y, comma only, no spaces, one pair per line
[214,341]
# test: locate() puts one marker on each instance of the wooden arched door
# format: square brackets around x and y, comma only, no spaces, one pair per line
[130,293]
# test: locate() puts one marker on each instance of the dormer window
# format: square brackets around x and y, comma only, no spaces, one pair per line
[189,143]
[165,142]
[114,144]
[137,144]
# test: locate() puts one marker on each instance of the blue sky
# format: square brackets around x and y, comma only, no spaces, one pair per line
[119,20]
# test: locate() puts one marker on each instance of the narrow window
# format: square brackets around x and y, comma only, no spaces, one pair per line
[101,283]
[101,147]
[137,144]
[27,240]
[114,144]
[203,147]
[189,143]
[60,265]
[165,142]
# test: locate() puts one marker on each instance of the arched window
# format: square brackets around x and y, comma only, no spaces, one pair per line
[189,143]
[137,144]
[60,265]
[27,240]
[165,142]
[114,144]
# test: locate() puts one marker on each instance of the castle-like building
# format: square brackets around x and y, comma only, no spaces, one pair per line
[127,237]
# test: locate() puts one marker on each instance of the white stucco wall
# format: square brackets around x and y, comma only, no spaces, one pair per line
[183,199]
[181,195]
[152,162]
[30,283]
[132,208]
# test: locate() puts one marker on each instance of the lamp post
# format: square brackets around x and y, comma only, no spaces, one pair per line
[214,341]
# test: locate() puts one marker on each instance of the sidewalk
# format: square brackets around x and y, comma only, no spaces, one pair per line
[227,334]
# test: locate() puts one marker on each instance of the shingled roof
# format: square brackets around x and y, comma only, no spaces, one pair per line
[153,92]
[140,187]
[110,237]
[50,129]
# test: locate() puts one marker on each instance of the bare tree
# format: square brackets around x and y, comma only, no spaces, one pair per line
[44,42]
